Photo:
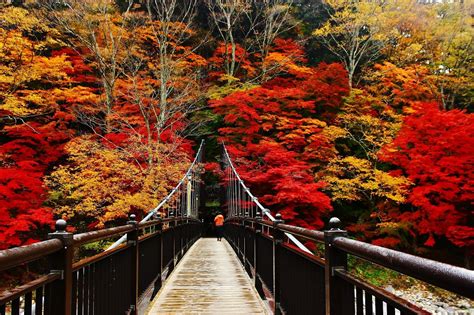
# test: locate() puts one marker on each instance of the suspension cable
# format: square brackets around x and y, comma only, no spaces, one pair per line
[180,190]
[236,187]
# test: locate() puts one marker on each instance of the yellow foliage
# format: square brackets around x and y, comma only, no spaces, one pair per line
[25,22]
[22,63]
[217,92]
[353,179]
[356,21]
[370,133]
[104,183]
[276,62]
[333,132]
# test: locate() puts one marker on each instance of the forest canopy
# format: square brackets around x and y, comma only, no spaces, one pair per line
[357,109]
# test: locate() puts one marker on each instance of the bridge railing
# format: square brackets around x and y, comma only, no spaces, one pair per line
[107,283]
[241,202]
[303,283]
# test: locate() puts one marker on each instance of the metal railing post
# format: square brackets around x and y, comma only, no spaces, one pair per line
[158,281]
[258,231]
[132,239]
[186,235]
[277,241]
[237,238]
[244,244]
[179,234]
[61,263]
[335,259]
[172,226]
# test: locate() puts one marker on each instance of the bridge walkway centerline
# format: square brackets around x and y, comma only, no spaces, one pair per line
[208,280]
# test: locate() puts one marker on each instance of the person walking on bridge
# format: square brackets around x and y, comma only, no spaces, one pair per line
[219,222]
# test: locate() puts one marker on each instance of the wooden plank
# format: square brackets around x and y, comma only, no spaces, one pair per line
[208,280]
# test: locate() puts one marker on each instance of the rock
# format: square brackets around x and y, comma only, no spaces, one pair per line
[435,303]
[464,304]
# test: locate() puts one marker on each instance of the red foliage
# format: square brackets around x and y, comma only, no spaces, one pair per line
[435,149]
[328,84]
[221,56]
[391,242]
[276,142]
[283,182]
[462,236]
[27,153]
[79,71]
[289,48]
[25,158]
[213,168]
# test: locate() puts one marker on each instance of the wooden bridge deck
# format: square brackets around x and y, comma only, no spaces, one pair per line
[208,280]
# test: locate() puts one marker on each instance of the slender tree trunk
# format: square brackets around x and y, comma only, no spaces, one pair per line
[109,102]
[233,61]
[350,76]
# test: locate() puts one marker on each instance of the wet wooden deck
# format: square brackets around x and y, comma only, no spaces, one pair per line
[208,280]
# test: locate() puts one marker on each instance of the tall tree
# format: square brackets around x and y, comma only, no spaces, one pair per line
[38,89]
[99,27]
[227,15]
[249,28]
[101,184]
[276,140]
[435,151]
[268,20]
[178,70]
[356,32]
[437,37]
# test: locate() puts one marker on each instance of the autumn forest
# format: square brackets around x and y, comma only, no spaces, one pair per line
[357,109]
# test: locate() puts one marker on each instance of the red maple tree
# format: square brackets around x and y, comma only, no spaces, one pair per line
[277,142]
[29,149]
[435,150]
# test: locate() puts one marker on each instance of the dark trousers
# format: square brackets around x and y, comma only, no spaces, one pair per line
[219,231]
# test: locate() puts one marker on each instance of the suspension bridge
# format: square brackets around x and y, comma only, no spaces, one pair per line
[163,265]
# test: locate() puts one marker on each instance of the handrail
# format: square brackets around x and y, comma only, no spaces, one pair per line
[166,199]
[93,236]
[302,232]
[13,257]
[27,287]
[456,279]
[62,286]
[264,210]
[452,278]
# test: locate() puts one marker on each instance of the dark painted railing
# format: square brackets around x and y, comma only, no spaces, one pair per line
[302,283]
[108,283]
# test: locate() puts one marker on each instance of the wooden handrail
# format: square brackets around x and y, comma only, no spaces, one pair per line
[452,278]
[94,236]
[59,289]
[13,257]
[27,287]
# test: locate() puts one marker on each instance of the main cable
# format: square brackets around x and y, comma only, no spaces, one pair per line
[238,186]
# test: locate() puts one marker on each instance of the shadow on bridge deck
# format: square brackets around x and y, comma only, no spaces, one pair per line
[208,280]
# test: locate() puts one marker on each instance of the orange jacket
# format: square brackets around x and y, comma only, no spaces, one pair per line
[219,220]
